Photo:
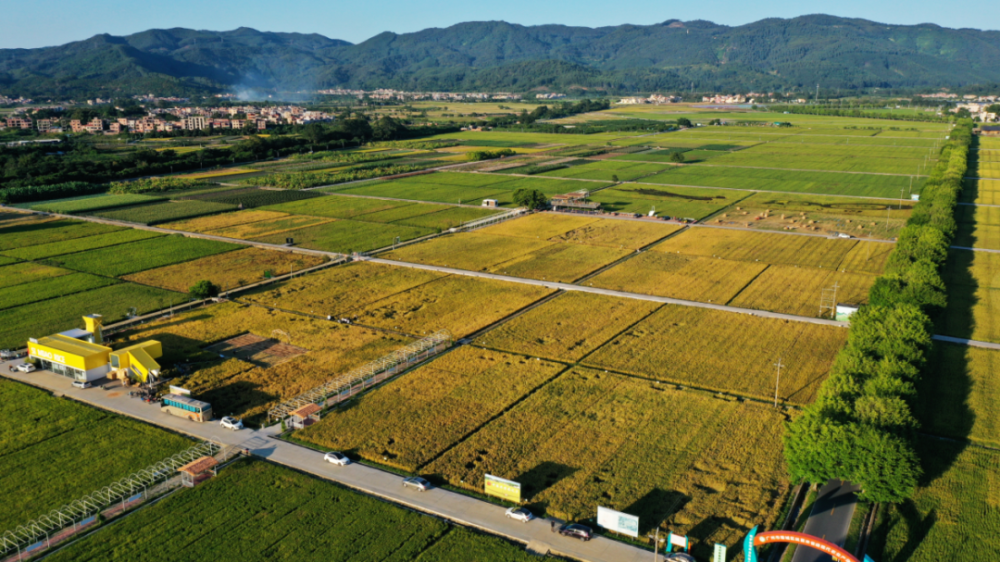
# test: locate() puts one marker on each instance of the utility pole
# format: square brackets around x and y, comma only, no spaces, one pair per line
[777,381]
[656,545]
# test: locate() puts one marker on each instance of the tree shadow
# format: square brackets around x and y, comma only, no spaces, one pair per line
[236,398]
[917,527]
[655,507]
[700,534]
[540,478]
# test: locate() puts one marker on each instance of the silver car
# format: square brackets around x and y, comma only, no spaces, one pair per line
[520,514]
[417,483]
[337,458]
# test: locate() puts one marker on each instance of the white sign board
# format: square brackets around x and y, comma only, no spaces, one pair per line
[179,390]
[720,553]
[618,522]
[678,540]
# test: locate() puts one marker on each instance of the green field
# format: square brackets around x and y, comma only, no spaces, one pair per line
[50,288]
[56,450]
[59,314]
[607,170]
[138,256]
[257,511]
[842,158]
[89,203]
[45,232]
[41,251]
[165,211]
[19,273]
[253,197]
[680,202]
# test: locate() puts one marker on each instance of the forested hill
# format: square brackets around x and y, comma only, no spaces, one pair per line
[771,54]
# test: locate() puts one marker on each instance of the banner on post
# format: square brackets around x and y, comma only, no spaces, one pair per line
[678,540]
[618,522]
[504,489]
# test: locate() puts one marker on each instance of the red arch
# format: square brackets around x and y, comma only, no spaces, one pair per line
[804,540]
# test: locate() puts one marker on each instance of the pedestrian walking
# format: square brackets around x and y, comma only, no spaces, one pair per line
[553,526]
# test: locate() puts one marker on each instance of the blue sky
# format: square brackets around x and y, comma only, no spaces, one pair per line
[39,23]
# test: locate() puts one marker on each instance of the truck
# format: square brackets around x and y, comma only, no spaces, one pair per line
[7,354]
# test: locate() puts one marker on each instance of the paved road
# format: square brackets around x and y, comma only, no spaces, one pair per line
[830,519]
[975,249]
[608,292]
[972,343]
[456,507]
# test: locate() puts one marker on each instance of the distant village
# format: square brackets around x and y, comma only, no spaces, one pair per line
[383,94]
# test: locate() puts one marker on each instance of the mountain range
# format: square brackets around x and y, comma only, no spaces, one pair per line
[771,54]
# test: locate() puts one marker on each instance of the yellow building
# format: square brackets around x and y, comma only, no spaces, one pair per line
[78,354]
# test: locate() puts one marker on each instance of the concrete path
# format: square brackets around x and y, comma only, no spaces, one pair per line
[975,249]
[459,508]
[830,519]
[971,343]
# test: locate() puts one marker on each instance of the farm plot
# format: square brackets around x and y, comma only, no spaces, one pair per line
[227,270]
[568,327]
[51,287]
[973,281]
[978,227]
[983,164]
[431,408]
[334,291]
[63,313]
[241,387]
[29,233]
[774,249]
[251,197]
[564,263]
[608,170]
[833,158]
[43,465]
[473,251]
[165,211]
[623,234]
[459,304]
[268,227]
[89,203]
[822,183]
[540,226]
[337,207]
[679,202]
[958,395]
[985,192]
[138,256]
[273,502]
[725,352]
[798,290]
[114,238]
[18,273]
[880,219]
[703,279]
[216,222]
[702,466]
[446,218]
[432,192]
[346,236]
[952,515]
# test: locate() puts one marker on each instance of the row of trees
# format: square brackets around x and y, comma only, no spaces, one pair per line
[898,116]
[861,428]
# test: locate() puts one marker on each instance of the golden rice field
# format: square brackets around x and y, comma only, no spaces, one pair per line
[456,303]
[540,226]
[973,281]
[727,352]
[775,249]
[225,220]
[679,276]
[563,263]
[702,466]
[413,419]
[798,290]
[268,227]
[217,173]
[867,257]
[569,327]
[340,289]
[623,234]
[474,251]
[228,270]
[247,390]
[959,395]
[984,192]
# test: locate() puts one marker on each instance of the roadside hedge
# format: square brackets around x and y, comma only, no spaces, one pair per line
[861,428]
[26,194]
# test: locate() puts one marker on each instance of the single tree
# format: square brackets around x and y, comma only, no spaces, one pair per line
[683,122]
[530,198]
[677,157]
[204,289]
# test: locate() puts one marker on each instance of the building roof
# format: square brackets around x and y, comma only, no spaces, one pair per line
[306,411]
[72,346]
[180,398]
[198,466]
[76,333]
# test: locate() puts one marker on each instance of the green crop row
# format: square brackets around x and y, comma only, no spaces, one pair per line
[166,211]
[115,261]
[254,197]
[50,288]
[91,203]
[74,245]
[861,429]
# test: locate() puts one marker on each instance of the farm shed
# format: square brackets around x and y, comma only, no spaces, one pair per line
[198,471]
[305,416]
[186,407]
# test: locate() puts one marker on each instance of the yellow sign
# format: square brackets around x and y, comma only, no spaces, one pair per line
[505,489]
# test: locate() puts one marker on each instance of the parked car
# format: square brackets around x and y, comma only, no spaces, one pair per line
[81,384]
[520,514]
[417,483]
[576,531]
[25,367]
[337,458]
[232,423]
[6,354]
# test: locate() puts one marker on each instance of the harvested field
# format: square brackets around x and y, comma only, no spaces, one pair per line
[568,327]
[589,438]
[262,352]
[680,276]
[240,388]
[774,249]
[797,290]
[227,270]
[459,304]
[726,352]
[430,408]
[216,222]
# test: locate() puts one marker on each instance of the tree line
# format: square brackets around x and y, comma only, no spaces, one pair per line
[861,429]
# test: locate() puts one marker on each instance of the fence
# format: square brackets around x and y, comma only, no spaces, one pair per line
[488,221]
[60,524]
[365,377]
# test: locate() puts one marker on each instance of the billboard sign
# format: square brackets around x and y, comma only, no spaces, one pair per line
[678,540]
[179,390]
[618,522]
[505,489]
[720,553]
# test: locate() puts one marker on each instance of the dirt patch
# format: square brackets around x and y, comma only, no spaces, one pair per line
[264,352]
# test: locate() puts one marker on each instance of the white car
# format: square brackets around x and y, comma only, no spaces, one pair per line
[231,423]
[417,483]
[81,384]
[520,514]
[25,367]
[337,458]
